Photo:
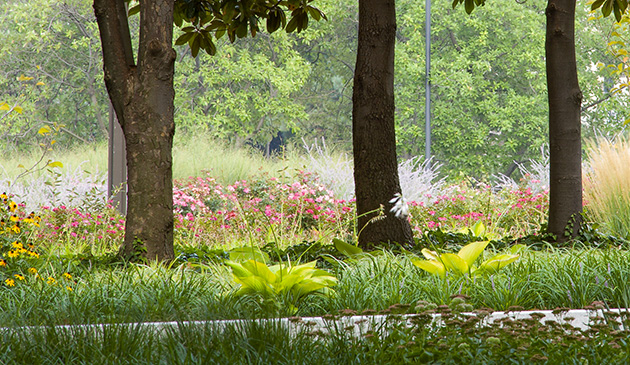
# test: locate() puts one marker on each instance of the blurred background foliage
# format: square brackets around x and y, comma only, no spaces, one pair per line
[489,103]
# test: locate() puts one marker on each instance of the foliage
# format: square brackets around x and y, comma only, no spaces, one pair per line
[462,262]
[283,284]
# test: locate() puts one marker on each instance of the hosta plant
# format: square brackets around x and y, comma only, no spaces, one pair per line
[462,263]
[282,283]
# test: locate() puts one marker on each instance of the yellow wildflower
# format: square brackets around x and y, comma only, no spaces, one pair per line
[17,245]
[9,282]
[51,281]
[12,206]
[67,276]
[13,254]
[69,288]
[14,218]
[4,197]
[33,254]
[32,270]
[15,228]
[3,263]
[19,277]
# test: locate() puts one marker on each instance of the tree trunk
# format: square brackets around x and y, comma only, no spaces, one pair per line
[373,129]
[565,99]
[142,96]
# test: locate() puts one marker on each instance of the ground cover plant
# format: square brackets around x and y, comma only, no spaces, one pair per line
[60,267]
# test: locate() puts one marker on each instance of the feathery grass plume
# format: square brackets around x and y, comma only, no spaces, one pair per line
[606,187]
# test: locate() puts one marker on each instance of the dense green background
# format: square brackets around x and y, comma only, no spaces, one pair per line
[489,90]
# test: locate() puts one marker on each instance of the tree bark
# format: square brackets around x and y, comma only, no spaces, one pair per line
[142,96]
[373,129]
[565,99]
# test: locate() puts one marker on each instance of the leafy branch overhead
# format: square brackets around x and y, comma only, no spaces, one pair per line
[200,19]
[618,7]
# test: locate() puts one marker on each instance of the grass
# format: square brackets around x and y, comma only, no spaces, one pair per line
[606,185]
[76,280]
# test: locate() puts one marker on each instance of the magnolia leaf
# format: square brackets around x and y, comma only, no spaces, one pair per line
[43,130]
[20,166]
[454,263]
[18,109]
[431,266]
[471,251]
[55,164]
[24,78]
[40,84]
[5,106]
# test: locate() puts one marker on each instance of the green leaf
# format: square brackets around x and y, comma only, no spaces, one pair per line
[242,254]
[346,248]
[607,8]
[597,4]
[241,30]
[293,23]
[133,10]
[261,270]
[455,263]
[431,266]
[497,262]
[430,255]
[469,5]
[184,38]
[471,251]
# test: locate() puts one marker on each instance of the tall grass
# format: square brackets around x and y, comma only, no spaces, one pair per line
[606,186]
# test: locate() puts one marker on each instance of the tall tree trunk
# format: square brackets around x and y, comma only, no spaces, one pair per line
[373,129]
[142,96]
[565,99]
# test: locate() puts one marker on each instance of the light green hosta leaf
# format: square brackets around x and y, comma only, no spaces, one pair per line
[497,262]
[241,254]
[238,270]
[431,266]
[471,251]
[254,285]
[429,255]
[261,270]
[455,263]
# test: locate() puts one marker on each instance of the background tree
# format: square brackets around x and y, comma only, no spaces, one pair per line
[373,128]
[565,102]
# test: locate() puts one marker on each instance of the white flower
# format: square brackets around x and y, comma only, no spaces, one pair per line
[400,208]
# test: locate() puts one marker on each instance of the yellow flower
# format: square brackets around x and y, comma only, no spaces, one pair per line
[19,277]
[17,245]
[3,263]
[32,270]
[69,288]
[67,276]
[12,206]
[4,196]
[14,218]
[9,282]
[13,254]
[15,228]
[51,281]
[33,254]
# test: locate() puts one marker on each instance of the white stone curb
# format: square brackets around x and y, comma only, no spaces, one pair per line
[360,325]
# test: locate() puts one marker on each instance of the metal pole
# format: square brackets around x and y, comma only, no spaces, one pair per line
[117,164]
[427,84]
